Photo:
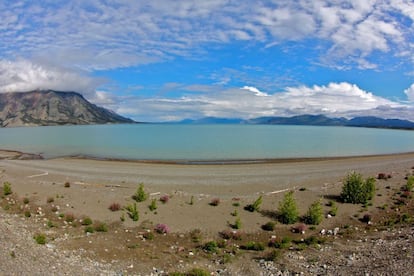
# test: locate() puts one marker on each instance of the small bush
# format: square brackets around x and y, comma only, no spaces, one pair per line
[234,213]
[140,195]
[67,185]
[315,213]
[114,207]
[7,190]
[269,226]
[26,200]
[334,209]
[50,224]
[210,247]
[162,228]
[165,198]
[288,211]
[27,214]
[196,235]
[101,227]
[89,229]
[366,218]
[254,246]
[410,184]
[86,221]
[356,190]
[69,217]
[148,236]
[153,206]
[237,224]
[50,199]
[133,212]
[255,206]
[197,272]
[54,209]
[280,243]
[40,238]
[215,202]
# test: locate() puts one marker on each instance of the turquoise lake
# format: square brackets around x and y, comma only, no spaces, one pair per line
[204,142]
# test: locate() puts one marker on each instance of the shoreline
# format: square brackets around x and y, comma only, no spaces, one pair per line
[19,155]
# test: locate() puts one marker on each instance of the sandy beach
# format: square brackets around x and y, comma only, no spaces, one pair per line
[96,184]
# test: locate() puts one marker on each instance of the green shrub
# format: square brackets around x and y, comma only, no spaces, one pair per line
[197,272]
[153,206]
[27,214]
[101,227]
[315,213]
[237,224]
[255,206]
[334,209]
[26,200]
[7,190]
[140,195]
[210,247]
[86,221]
[133,212]
[410,184]
[357,190]
[40,238]
[255,246]
[89,229]
[288,211]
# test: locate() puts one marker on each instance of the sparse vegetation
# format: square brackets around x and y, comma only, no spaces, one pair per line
[133,211]
[101,227]
[86,221]
[26,200]
[40,238]
[27,214]
[66,185]
[288,211]
[7,190]
[254,246]
[140,195]
[255,206]
[50,199]
[237,224]
[357,190]
[210,247]
[153,206]
[314,215]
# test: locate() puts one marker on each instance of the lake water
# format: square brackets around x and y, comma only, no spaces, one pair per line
[204,142]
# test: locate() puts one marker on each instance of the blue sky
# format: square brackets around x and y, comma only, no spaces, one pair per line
[167,60]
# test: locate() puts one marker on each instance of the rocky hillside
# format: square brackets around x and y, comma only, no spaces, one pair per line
[41,108]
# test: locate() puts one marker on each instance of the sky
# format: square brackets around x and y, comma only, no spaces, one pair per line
[165,60]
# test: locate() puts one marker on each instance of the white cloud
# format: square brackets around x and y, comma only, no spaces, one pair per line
[334,99]
[256,91]
[410,93]
[23,75]
[102,35]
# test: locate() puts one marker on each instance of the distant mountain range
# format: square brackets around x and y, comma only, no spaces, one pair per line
[314,120]
[48,107]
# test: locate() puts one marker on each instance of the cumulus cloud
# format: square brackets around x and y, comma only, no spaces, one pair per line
[334,99]
[23,75]
[410,93]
